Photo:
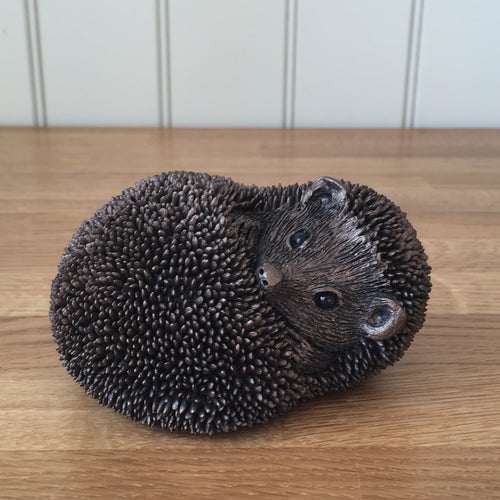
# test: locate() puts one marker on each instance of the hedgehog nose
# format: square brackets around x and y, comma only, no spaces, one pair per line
[269,275]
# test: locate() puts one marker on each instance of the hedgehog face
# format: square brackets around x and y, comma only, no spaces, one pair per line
[325,276]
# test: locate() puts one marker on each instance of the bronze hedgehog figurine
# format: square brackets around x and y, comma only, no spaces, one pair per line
[193,302]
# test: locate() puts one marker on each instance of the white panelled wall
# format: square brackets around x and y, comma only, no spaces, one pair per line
[250,63]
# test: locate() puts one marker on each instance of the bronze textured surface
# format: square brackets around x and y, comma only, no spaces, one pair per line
[427,427]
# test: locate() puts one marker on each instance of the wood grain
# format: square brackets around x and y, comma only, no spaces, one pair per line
[427,427]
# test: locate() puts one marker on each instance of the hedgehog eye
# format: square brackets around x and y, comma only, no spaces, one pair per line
[327,301]
[299,238]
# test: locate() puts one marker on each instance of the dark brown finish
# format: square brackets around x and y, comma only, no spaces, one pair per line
[200,304]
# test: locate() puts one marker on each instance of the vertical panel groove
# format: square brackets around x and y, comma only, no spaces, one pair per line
[413,64]
[159,65]
[40,64]
[168,64]
[31,64]
[290,64]
[294,61]
[285,63]
[35,60]
[163,63]
[417,62]
[411,30]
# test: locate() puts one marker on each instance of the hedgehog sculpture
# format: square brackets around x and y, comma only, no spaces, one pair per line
[196,303]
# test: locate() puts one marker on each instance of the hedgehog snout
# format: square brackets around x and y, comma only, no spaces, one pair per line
[269,275]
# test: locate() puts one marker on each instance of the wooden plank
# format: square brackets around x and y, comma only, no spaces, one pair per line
[359,472]
[427,426]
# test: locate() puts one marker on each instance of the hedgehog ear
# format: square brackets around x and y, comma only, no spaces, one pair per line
[385,319]
[325,191]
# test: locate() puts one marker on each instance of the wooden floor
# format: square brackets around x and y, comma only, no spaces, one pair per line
[427,427]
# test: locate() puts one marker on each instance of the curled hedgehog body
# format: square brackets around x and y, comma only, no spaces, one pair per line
[196,303]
